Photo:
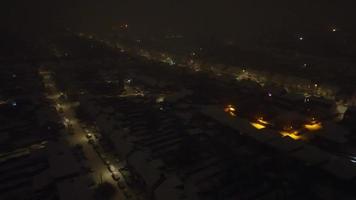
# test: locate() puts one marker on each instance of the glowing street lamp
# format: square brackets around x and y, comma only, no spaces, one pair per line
[231,110]
[262,121]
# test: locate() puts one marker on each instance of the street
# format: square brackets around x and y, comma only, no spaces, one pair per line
[100,172]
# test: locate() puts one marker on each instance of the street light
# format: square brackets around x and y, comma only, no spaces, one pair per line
[231,110]
[313,125]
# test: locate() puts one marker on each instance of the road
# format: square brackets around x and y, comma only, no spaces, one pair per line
[100,170]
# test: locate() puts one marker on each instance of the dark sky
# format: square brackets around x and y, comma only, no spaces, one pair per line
[241,18]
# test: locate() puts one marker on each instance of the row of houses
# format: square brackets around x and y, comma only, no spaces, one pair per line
[201,157]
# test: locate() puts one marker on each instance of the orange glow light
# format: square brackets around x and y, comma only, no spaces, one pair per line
[313,126]
[231,110]
[258,126]
[262,121]
[292,134]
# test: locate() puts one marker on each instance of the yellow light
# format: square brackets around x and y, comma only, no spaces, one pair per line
[231,110]
[292,134]
[313,126]
[232,114]
[160,99]
[262,121]
[258,126]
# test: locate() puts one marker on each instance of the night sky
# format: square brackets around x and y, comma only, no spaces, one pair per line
[231,18]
